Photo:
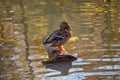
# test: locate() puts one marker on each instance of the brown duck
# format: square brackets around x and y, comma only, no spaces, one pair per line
[54,42]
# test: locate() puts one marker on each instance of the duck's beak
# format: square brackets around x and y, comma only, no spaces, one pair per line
[68,29]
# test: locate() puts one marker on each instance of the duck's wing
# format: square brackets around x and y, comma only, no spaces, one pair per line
[58,37]
[51,38]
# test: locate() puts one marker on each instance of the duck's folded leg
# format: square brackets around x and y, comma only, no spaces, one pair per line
[62,50]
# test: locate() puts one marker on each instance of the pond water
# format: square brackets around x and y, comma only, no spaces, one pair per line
[96,39]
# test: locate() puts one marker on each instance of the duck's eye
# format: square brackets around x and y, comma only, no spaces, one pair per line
[66,35]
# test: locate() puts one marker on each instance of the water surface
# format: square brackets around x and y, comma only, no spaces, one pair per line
[96,41]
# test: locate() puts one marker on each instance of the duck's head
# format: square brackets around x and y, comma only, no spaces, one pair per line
[65,26]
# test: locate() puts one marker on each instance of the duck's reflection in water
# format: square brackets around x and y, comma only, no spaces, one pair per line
[62,66]
[61,63]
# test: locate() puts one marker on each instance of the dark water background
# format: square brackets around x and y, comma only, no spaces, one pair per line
[96,39]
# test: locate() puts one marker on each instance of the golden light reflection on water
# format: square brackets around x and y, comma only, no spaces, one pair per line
[95,25]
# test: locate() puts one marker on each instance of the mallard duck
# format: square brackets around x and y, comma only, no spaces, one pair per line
[58,38]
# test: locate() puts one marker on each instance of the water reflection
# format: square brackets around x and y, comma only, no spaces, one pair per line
[95,25]
[63,67]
